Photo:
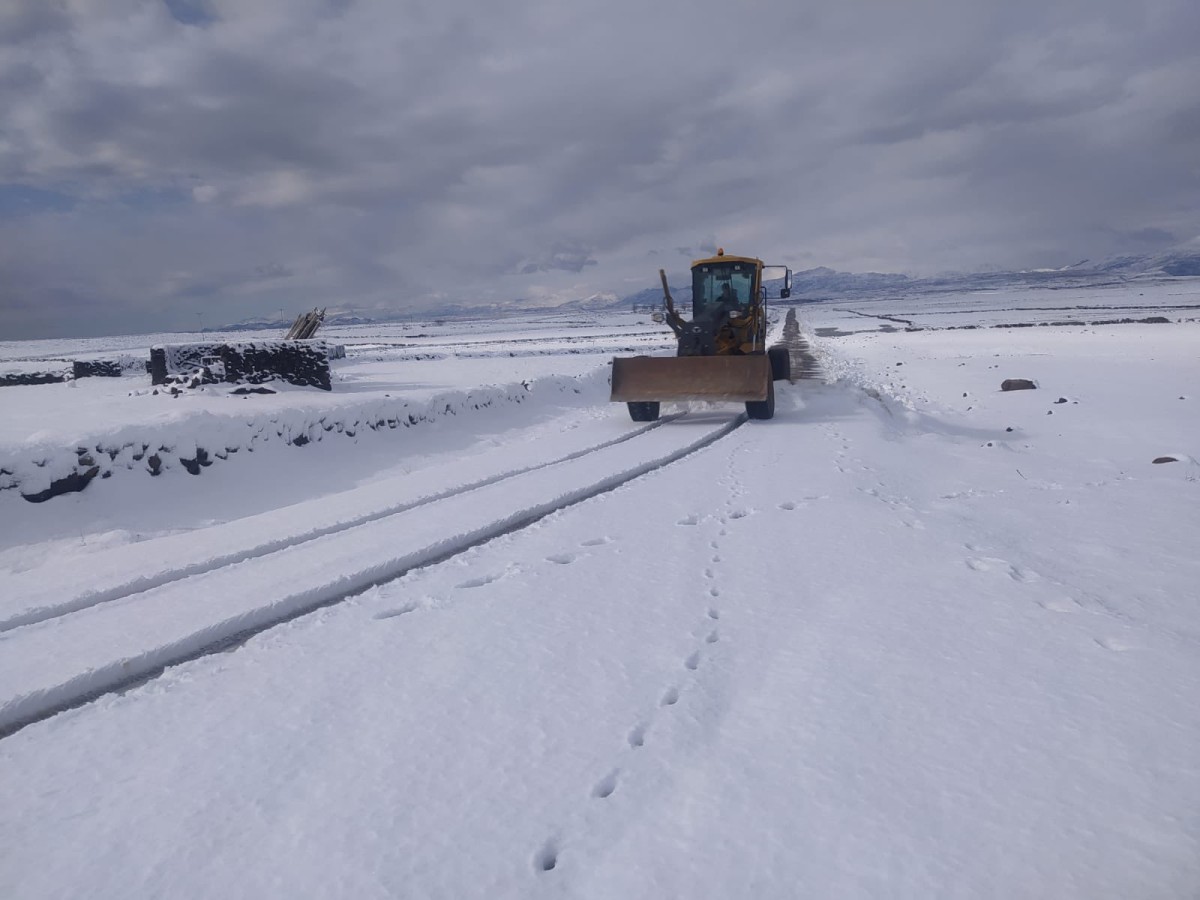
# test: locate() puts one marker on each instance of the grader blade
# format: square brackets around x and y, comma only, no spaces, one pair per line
[666,378]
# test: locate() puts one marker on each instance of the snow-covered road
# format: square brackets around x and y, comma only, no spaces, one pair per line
[914,637]
[151,605]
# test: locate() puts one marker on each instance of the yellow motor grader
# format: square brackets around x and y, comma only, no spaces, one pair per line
[722,352]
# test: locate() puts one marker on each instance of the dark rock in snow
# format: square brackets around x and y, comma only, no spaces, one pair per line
[1166,459]
[76,481]
[1061,400]
[1017,384]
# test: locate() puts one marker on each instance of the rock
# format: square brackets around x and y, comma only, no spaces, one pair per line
[1061,400]
[76,481]
[19,379]
[1017,384]
[1166,459]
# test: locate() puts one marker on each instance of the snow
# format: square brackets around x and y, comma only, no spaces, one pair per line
[881,645]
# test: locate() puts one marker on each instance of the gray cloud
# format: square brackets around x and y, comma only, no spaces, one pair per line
[395,155]
[568,257]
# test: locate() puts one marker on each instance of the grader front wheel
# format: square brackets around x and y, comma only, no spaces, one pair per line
[644,410]
[762,409]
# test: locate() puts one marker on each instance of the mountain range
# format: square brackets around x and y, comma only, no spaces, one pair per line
[808,285]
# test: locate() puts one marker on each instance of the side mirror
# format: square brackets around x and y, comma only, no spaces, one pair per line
[784,293]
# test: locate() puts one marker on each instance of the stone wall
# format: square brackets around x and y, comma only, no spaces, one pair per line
[296,362]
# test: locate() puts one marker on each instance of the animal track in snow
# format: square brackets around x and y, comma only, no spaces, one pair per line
[1025,576]
[561,559]
[606,785]
[1061,605]
[739,514]
[637,736]
[988,563]
[712,638]
[546,858]
[596,542]
[689,520]
[479,582]
[398,611]
[714,613]
[693,661]
[670,698]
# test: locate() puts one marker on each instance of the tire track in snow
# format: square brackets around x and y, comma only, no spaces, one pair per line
[78,658]
[141,583]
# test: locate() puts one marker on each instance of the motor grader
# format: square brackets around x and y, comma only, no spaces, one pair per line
[722,352]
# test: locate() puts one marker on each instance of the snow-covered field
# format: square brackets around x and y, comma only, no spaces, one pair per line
[477,634]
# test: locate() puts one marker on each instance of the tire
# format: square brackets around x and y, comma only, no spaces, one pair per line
[762,409]
[643,411]
[781,363]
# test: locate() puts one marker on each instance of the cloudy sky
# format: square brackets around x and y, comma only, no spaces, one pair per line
[169,162]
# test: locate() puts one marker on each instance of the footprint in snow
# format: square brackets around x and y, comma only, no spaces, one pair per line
[605,786]
[712,638]
[1115,644]
[1025,576]
[637,736]
[547,858]
[561,559]
[713,613]
[670,698]
[1061,604]
[989,563]
[479,582]
[689,520]
[398,611]
[596,542]
[692,662]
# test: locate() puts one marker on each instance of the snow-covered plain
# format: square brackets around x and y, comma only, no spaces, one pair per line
[913,637]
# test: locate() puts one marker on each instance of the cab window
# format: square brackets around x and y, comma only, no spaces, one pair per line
[717,284]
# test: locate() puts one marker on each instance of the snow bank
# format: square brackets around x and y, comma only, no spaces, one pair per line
[38,471]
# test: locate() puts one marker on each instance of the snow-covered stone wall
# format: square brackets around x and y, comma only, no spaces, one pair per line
[297,362]
[38,473]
